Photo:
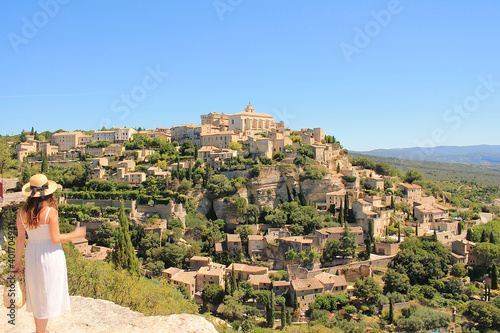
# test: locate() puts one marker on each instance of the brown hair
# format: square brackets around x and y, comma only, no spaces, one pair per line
[30,208]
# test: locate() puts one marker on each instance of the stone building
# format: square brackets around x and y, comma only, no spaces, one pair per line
[250,122]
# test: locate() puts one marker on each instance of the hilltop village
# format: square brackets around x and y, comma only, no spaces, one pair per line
[243,200]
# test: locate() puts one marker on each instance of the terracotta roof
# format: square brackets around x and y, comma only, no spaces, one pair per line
[326,278]
[198,258]
[233,238]
[210,271]
[363,202]
[171,270]
[255,237]
[306,284]
[258,279]
[410,186]
[247,269]
[339,230]
[185,277]
[297,239]
[281,283]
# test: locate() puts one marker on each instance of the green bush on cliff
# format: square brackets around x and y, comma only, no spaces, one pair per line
[99,280]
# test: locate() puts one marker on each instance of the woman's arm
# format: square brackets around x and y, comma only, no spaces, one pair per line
[56,236]
[21,239]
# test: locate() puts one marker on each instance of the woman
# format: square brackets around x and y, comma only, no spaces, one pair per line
[46,277]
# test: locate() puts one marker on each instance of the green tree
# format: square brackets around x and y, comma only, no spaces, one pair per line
[347,243]
[412,175]
[45,163]
[367,289]
[278,156]
[484,238]
[485,314]
[487,253]
[494,277]
[331,250]
[104,236]
[234,283]
[219,186]
[341,214]
[458,270]
[395,282]
[213,294]
[235,146]
[123,253]
[391,311]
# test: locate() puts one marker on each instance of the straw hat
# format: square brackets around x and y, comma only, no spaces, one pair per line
[37,181]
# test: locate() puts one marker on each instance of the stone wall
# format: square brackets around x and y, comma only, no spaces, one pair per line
[95,315]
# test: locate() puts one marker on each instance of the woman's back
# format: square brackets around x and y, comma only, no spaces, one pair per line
[42,233]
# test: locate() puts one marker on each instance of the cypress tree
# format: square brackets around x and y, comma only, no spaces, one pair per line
[288,318]
[469,235]
[227,287]
[123,253]
[494,277]
[45,163]
[341,214]
[399,232]
[338,168]
[391,310]
[295,301]
[272,312]
[393,205]
[492,238]
[369,238]
[234,284]
[484,238]
[346,207]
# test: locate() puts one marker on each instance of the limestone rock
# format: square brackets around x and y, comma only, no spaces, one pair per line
[99,316]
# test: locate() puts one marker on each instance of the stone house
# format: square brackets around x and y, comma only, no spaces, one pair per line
[196,262]
[219,139]
[135,178]
[332,284]
[233,243]
[297,243]
[244,271]
[334,233]
[210,275]
[188,279]
[411,192]
[260,282]
[281,287]
[305,290]
[66,140]
[170,272]
[375,183]
[256,244]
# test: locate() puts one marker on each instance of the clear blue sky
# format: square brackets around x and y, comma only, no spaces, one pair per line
[305,62]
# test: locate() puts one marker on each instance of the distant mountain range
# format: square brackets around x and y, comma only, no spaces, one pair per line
[481,154]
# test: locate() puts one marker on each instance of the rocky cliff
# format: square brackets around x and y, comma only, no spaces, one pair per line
[99,316]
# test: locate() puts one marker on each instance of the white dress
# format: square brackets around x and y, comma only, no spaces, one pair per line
[46,275]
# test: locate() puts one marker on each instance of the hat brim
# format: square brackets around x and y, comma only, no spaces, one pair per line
[26,190]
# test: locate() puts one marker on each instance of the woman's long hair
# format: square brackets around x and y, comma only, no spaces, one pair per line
[31,206]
